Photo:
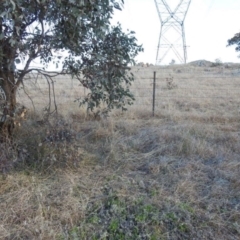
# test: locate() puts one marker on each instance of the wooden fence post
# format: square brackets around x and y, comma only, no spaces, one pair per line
[154,90]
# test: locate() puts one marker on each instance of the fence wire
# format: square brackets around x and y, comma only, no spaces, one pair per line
[205,90]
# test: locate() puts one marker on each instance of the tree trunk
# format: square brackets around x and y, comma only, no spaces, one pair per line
[10,89]
[8,83]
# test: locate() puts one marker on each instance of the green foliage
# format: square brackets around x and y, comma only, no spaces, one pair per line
[235,41]
[172,62]
[121,218]
[74,35]
[106,69]
[218,62]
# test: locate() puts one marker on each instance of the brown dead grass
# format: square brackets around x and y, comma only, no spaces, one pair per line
[131,176]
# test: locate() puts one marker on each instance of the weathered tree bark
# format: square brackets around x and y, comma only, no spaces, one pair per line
[10,89]
[7,123]
[8,83]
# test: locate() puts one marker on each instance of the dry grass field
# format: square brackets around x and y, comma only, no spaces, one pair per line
[130,176]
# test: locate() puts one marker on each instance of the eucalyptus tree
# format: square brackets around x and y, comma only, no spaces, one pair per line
[76,36]
[235,41]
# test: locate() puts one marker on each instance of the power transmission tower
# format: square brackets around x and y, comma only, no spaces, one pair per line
[172,33]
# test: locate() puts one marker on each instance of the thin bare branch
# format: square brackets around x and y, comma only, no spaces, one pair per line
[54,96]
[28,97]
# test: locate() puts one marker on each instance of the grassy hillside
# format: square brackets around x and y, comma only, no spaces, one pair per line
[130,176]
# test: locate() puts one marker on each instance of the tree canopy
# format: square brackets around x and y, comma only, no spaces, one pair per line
[75,35]
[235,41]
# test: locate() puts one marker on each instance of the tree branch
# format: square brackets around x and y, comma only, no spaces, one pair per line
[31,57]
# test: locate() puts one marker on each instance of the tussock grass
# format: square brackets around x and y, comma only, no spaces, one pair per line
[131,176]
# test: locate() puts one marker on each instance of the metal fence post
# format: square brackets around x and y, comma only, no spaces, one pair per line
[154,90]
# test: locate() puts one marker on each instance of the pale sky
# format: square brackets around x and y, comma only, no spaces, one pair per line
[208,26]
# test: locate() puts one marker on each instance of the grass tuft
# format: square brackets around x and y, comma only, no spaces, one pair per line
[130,176]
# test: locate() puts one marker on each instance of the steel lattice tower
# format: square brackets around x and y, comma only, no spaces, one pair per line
[172,20]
